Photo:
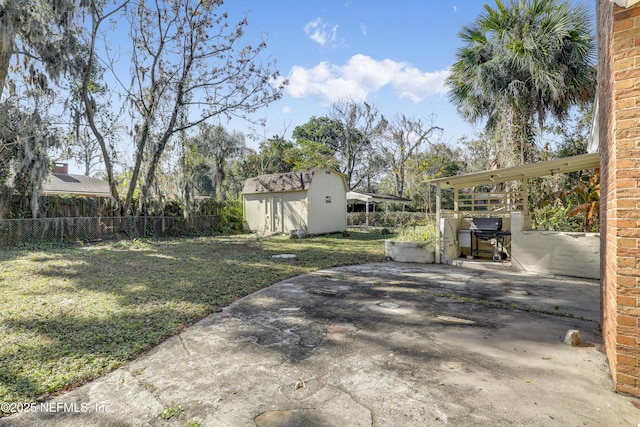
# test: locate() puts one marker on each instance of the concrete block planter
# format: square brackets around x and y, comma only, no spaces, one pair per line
[420,252]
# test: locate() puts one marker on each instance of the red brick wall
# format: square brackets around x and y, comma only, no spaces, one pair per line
[619,135]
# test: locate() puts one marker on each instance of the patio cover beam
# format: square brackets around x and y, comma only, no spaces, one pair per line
[516,173]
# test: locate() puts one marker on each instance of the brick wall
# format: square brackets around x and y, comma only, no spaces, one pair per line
[619,134]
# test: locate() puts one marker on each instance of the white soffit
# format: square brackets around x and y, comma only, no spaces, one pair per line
[625,3]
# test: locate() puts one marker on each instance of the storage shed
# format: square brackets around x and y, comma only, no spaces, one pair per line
[314,201]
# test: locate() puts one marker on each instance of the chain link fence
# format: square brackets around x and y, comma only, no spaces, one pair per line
[21,232]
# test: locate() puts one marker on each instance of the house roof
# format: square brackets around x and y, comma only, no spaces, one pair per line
[533,170]
[378,198]
[79,185]
[281,182]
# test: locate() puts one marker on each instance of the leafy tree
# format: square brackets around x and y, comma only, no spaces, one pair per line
[479,153]
[574,133]
[38,45]
[25,137]
[519,63]
[319,141]
[439,160]
[188,66]
[342,140]
[360,124]
[80,143]
[276,155]
[210,151]
[44,35]
[580,201]
[401,139]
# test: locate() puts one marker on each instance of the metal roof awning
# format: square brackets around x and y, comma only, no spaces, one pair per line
[375,198]
[533,170]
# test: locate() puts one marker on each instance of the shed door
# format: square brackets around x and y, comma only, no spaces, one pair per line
[273,214]
[277,213]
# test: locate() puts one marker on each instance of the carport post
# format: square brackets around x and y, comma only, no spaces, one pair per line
[525,196]
[456,200]
[438,201]
[367,213]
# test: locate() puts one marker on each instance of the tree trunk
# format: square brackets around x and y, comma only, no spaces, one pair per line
[6,51]
[89,107]
[5,59]
[218,177]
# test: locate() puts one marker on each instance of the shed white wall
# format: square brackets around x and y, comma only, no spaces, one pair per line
[553,252]
[327,215]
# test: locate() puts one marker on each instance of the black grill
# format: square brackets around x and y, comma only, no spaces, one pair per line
[487,229]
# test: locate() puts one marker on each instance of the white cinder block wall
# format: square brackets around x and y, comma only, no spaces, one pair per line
[553,252]
[449,249]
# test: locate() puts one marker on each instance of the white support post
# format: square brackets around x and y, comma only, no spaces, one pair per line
[367,213]
[456,201]
[438,213]
[525,196]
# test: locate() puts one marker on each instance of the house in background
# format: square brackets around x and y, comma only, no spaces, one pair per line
[61,183]
[314,201]
[66,195]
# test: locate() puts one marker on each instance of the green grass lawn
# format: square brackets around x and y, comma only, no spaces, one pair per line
[70,314]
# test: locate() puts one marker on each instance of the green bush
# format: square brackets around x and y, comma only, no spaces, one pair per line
[554,217]
[231,217]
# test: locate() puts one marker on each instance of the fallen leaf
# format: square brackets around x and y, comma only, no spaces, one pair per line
[636,404]
[299,384]
[527,381]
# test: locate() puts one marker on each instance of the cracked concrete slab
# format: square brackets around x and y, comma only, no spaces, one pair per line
[377,344]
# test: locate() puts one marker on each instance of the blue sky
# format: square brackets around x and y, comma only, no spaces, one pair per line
[394,54]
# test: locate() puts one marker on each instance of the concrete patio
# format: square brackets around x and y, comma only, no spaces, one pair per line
[384,344]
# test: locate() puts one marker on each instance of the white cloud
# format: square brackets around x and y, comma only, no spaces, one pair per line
[286,109]
[455,8]
[317,31]
[363,75]
[363,29]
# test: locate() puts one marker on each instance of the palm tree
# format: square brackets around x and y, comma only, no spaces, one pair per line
[519,63]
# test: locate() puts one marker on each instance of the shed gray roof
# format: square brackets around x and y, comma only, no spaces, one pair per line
[281,182]
[79,185]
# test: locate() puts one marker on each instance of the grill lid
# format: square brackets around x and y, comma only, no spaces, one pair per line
[486,224]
